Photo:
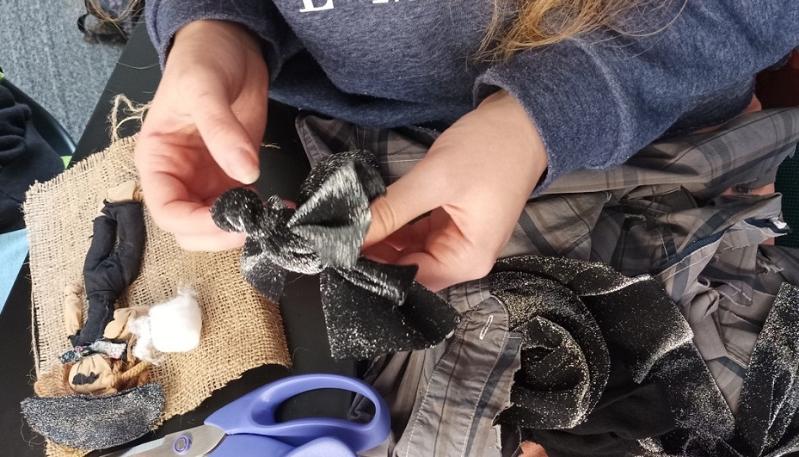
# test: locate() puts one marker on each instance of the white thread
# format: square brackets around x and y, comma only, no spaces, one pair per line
[484,331]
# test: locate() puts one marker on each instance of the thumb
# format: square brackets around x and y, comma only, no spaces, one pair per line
[405,200]
[226,139]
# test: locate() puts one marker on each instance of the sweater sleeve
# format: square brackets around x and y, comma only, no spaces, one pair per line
[598,99]
[165,18]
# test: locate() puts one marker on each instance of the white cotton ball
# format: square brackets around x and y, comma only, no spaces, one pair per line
[175,325]
[143,349]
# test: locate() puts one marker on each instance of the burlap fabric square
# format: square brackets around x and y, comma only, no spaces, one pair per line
[240,330]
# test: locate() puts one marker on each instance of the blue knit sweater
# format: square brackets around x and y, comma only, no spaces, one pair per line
[596,99]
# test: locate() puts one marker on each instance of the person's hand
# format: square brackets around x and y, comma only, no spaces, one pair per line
[473,182]
[202,132]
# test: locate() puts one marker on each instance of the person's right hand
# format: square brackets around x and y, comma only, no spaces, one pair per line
[202,133]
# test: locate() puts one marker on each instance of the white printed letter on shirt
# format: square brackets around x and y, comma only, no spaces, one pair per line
[307,6]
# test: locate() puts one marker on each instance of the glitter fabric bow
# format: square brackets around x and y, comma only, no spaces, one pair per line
[370,308]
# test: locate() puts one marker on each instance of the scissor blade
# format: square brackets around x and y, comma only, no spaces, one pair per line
[193,442]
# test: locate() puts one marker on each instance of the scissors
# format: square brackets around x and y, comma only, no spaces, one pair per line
[248,427]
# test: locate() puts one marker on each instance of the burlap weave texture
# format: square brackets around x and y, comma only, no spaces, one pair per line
[240,330]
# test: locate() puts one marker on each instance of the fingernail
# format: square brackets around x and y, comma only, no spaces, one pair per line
[246,168]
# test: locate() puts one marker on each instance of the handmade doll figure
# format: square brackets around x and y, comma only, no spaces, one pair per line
[113,260]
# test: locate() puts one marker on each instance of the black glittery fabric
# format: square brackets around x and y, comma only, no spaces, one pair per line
[90,422]
[570,314]
[370,308]
[564,357]
[608,368]
[767,421]
[112,263]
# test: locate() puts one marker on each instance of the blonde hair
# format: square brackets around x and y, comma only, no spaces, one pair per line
[537,23]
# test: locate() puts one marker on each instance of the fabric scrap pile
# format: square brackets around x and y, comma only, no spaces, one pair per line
[637,311]
[610,369]
[370,309]
[104,377]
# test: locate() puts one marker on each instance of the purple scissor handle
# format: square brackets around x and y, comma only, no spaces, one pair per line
[253,430]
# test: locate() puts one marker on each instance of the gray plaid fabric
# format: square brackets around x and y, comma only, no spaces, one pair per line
[669,185]
[444,400]
[665,213]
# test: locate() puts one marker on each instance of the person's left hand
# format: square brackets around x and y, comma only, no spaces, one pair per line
[473,182]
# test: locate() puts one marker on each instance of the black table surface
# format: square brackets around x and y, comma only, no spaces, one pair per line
[136,75]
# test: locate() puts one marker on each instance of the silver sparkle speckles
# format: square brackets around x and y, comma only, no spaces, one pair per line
[370,308]
[88,422]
